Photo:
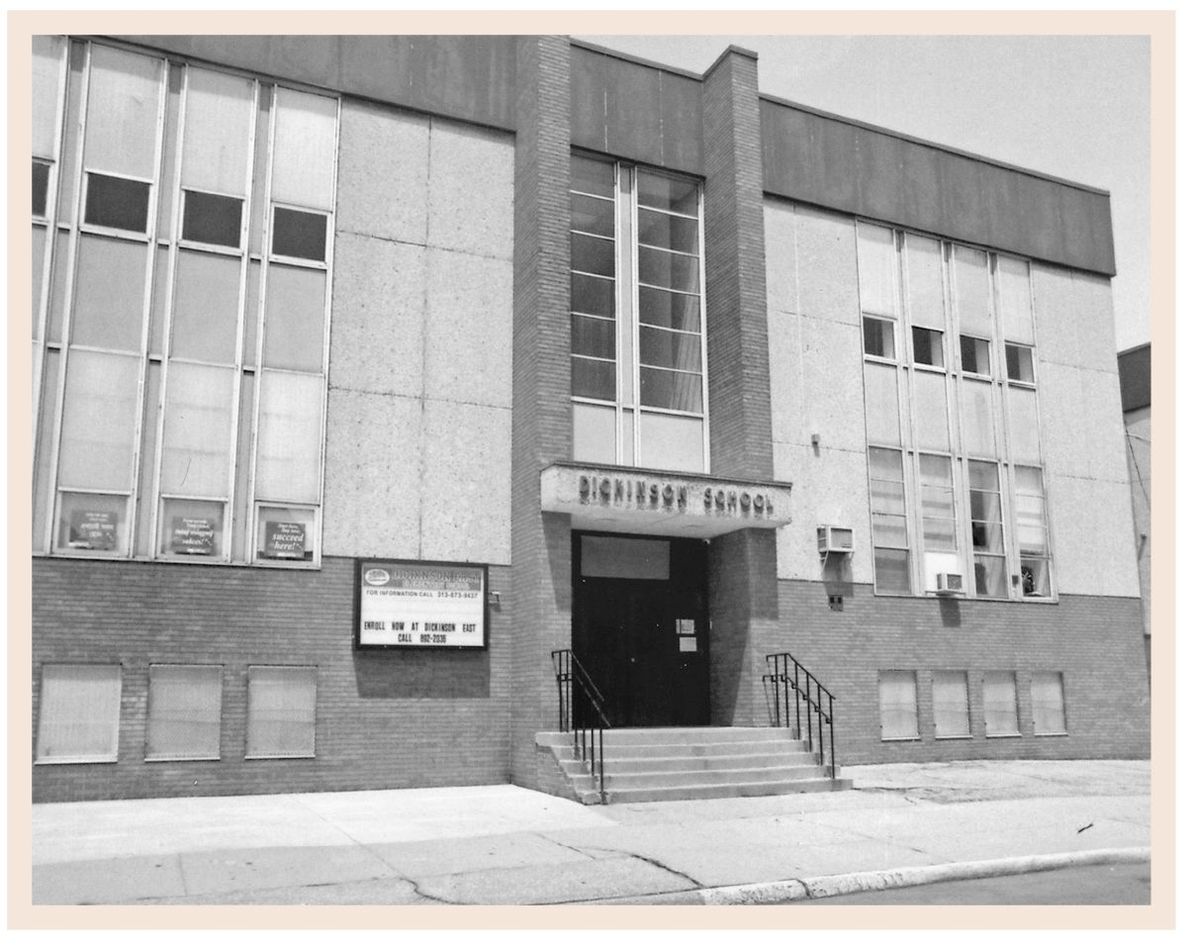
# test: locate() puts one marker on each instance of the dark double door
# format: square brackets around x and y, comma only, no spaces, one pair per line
[640,629]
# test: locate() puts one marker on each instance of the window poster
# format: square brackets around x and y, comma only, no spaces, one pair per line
[285,540]
[405,604]
[92,529]
[193,535]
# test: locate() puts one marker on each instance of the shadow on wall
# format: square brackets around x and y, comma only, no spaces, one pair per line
[837,580]
[448,675]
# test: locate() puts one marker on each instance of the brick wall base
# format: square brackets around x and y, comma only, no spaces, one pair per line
[391,719]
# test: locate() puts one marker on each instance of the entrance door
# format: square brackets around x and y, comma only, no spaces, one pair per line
[640,628]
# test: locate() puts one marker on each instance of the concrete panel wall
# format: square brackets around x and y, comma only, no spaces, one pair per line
[1083,435]
[635,110]
[817,383]
[420,367]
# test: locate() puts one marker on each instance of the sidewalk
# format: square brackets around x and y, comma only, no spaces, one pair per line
[902,824]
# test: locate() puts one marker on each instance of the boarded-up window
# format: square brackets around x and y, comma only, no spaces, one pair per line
[1000,704]
[79,719]
[898,705]
[951,704]
[1046,697]
[282,712]
[184,712]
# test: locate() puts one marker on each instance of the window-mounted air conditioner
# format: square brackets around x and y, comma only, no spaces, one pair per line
[949,583]
[835,539]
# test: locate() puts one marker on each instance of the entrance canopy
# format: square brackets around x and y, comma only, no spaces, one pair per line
[654,502]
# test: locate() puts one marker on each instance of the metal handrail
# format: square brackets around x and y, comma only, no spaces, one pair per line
[786,674]
[589,740]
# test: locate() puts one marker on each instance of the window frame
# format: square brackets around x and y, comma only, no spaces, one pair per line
[890,336]
[910,547]
[1028,350]
[975,373]
[979,406]
[145,235]
[166,87]
[286,259]
[190,243]
[628,403]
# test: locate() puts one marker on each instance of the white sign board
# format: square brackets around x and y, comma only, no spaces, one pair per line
[420,604]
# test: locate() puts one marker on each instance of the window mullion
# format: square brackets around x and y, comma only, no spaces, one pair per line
[68,296]
[263,279]
[629,321]
[230,553]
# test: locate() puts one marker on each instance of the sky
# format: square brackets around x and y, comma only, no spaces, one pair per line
[1076,107]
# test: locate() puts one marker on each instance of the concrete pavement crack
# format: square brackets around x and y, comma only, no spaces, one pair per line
[423,894]
[644,858]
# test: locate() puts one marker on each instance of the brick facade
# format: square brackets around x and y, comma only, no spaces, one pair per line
[383,719]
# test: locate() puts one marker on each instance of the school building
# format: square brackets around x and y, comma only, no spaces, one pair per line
[370,371]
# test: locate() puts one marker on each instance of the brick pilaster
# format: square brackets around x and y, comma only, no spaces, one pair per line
[541,420]
[736,302]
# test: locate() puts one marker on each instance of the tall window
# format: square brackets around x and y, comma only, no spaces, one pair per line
[947,338]
[890,536]
[638,354]
[183,377]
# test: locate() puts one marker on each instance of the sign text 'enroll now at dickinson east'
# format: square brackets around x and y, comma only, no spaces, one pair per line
[409,604]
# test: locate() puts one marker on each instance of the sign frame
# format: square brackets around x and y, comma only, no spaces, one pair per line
[363,564]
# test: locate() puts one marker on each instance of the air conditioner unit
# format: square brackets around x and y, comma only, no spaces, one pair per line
[835,539]
[949,583]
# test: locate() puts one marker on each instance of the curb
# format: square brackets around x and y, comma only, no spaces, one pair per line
[828,886]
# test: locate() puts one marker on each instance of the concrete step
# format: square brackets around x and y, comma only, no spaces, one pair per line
[649,764]
[726,790]
[617,778]
[700,762]
[638,736]
[723,749]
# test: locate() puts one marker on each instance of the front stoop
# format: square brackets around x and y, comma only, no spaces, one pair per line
[665,763]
